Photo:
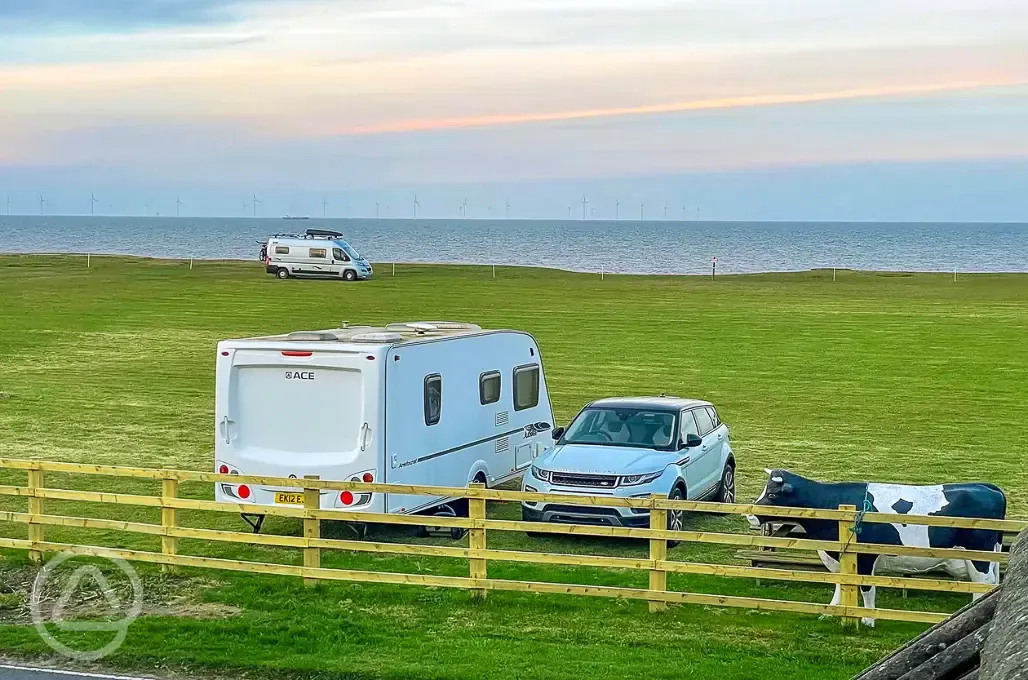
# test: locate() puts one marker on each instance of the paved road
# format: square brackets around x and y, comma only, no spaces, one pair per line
[25,673]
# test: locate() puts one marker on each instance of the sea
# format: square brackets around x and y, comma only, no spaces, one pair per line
[636,247]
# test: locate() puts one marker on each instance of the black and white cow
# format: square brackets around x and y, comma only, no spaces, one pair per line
[978,500]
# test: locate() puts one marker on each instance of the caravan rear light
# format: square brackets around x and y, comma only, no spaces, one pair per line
[244,491]
[346,497]
[295,353]
[223,469]
[368,477]
[224,354]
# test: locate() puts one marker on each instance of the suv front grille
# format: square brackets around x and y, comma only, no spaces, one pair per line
[570,479]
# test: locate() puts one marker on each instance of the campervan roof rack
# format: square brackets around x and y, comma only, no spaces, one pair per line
[323,233]
[311,233]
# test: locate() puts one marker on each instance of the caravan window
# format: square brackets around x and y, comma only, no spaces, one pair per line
[526,386]
[433,398]
[489,387]
[317,252]
[338,254]
[281,250]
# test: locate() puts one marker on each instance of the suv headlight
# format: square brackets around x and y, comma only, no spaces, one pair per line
[541,474]
[632,480]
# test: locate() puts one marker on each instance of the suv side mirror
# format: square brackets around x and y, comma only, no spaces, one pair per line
[557,433]
[692,440]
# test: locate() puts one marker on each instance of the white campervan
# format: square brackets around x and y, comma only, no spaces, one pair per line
[432,403]
[317,253]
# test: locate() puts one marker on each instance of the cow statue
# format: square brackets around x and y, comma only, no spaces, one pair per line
[976,500]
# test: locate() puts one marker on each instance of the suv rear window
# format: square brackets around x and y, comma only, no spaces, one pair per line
[703,420]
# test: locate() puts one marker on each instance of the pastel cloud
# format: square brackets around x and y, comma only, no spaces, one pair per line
[448,91]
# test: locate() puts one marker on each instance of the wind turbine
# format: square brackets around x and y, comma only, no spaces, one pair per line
[640,211]
[376,210]
[324,206]
[178,203]
[41,202]
[255,202]
[617,209]
[8,204]
[569,212]
[147,208]
[683,213]
[665,210]
[584,203]
[416,206]
[465,207]
[506,210]
[92,203]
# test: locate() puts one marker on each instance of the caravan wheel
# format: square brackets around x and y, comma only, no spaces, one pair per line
[282,273]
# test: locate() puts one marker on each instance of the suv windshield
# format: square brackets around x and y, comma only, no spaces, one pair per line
[622,427]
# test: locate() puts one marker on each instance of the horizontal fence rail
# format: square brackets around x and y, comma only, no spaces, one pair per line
[478,526]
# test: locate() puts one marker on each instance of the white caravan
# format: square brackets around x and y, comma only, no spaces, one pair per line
[433,403]
[317,253]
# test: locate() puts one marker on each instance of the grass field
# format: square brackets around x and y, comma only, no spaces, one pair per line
[875,376]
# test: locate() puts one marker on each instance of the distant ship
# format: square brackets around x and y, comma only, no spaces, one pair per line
[292,217]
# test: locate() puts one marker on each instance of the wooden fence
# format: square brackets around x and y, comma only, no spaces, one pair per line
[478,525]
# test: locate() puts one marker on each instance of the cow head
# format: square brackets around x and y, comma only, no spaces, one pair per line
[777,491]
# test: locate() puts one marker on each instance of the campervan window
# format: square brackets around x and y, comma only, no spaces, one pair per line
[338,254]
[317,252]
[281,250]
[526,386]
[433,398]
[489,387]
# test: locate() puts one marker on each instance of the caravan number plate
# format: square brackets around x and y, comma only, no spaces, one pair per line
[291,498]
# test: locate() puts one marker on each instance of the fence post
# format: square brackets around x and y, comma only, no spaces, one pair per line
[658,552]
[35,509]
[476,541]
[848,565]
[311,529]
[169,518]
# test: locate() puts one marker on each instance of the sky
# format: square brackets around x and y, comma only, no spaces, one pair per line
[722,109]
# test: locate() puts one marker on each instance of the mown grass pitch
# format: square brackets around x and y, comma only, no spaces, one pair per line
[886,377]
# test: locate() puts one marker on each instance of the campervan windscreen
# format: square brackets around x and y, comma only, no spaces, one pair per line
[349,250]
[304,409]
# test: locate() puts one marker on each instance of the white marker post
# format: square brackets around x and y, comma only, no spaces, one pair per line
[713,268]
[494,271]
[601,272]
[394,269]
[190,264]
[833,274]
[87,260]
[954,275]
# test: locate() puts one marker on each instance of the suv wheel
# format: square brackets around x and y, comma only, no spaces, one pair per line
[675,518]
[727,493]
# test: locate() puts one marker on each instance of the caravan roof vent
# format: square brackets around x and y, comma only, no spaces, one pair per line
[432,326]
[311,336]
[377,337]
